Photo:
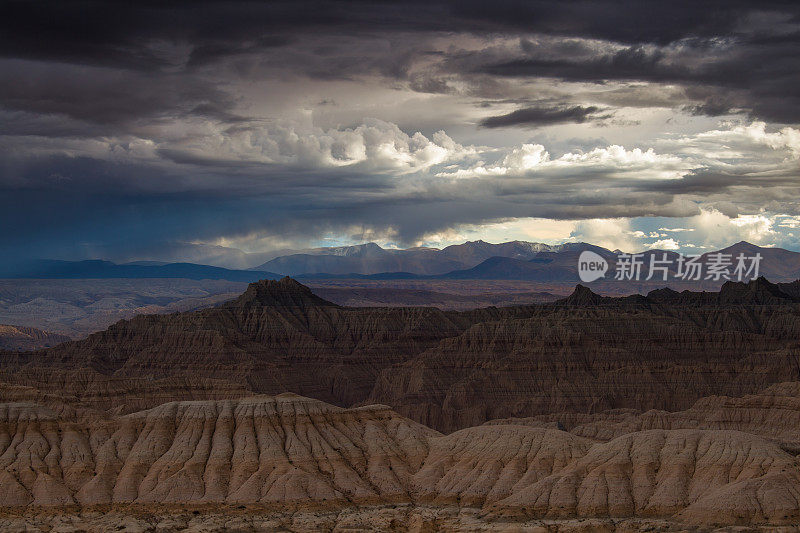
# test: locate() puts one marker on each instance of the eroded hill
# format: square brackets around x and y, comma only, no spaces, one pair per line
[25,338]
[448,370]
[301,464]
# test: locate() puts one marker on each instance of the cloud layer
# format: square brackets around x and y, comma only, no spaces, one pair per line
[134,131]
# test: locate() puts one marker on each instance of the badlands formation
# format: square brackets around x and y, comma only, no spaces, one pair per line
[280,411]
[292,463]
[445,369]
[26,338]
[301,464]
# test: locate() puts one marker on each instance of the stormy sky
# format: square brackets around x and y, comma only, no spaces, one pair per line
[218,132]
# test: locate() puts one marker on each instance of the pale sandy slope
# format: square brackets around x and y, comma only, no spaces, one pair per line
[773,413]
[290,452]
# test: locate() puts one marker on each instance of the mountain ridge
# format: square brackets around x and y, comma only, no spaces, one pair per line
[445,369]
[422,261]
[518,260]
[478,260]
[100,269]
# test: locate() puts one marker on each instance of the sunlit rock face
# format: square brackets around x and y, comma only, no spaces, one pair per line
[294,452]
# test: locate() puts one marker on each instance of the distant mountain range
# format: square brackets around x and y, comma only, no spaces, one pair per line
[96,269]
[562,265]
[516,260]
[479,260]
[369,259]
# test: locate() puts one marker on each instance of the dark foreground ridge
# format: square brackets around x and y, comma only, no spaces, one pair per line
[286,292]
[448,370]
[759,291]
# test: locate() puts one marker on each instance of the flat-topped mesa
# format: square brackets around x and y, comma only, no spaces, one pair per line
[285,292]
[581,296]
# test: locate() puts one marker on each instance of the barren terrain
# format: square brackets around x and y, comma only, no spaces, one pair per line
[291,463]
[280,410]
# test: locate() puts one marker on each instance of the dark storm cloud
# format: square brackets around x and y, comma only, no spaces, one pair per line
[106,96]
[755,72]
[712,108]
[209,52]
[541,116]
[95,98]
[706,181]
[629,63]
[120,34]
[755,76]
[114,32]
[65,219]
[98,205]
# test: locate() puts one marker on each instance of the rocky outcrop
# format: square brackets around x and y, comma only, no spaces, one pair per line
[758,292]
[276,337]
[582,296]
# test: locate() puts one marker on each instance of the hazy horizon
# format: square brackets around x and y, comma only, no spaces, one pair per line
[255,260]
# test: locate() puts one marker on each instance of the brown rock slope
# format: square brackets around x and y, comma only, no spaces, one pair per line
[276,337]
[260,449]
[448,370]
[704,476]
[290,452]
[485,464]
[589,354]
[25,338]
[773,414]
